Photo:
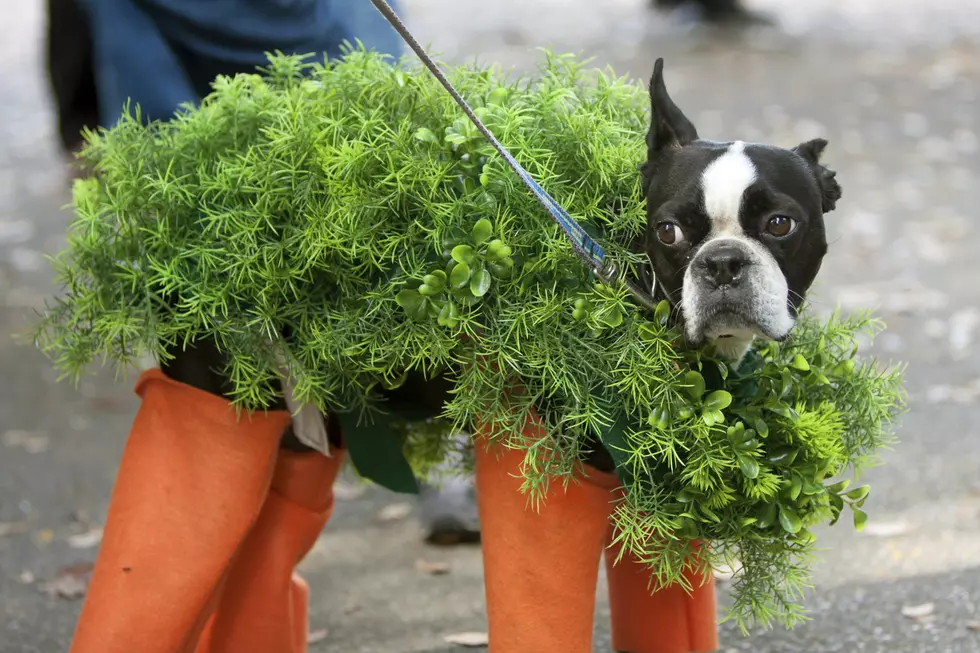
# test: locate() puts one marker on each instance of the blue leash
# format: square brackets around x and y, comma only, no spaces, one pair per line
[591,252]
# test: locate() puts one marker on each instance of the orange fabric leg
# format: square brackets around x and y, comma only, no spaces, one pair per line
[263,606]
[667,621]
[540,568]
[299,594]
[190,485]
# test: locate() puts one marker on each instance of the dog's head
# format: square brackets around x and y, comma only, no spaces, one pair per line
[735,230]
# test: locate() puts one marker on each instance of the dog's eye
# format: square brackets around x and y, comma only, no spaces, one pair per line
[669,233]
[780,226]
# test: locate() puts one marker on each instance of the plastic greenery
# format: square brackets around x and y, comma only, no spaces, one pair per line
[348,219]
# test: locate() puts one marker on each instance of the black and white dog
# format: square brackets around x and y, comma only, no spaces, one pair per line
[735,230]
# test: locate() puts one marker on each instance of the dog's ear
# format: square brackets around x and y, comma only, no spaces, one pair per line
[830,190]
[669,127]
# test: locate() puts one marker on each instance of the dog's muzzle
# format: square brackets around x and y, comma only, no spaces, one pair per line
[734,288]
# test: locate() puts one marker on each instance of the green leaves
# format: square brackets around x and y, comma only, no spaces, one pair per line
[718,400]
[468,277]
[436,280]
[497,96]
[375,451]
[799,363]
[448,316]
[713,405]
[482,231]
[860,519]
[712,417]
[582,307]
[784,455]
[858,494]
[659,418]
[463,254]
[498,258]
[498,251]
[459,276]
[839,496]
[480,282]
[745,444]
[793,488]
[694,384]
[748,465]
[611,316]
[839,487]
[426,135]
[461,132]
[767,516]
[740,437]
[601,308]
[415,305]
[789,520]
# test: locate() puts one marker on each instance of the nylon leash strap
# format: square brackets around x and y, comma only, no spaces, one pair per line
[590,251]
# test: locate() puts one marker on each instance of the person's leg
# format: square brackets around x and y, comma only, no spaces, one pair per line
[195,474]
[70,71]
[366,24]
[135,63]
[225,54]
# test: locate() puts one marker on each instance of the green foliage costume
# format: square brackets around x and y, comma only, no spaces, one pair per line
[347,219]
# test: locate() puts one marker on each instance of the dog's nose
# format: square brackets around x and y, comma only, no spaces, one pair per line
[723,265]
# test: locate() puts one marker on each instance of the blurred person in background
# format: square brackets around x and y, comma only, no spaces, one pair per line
[162,53]
[726,13]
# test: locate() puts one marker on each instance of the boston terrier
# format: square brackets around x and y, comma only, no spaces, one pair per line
[735,230]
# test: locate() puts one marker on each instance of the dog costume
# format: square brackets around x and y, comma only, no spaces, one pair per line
[209,515]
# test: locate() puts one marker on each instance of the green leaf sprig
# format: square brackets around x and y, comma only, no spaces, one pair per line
[466,280]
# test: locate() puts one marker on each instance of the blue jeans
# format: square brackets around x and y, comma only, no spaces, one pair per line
[160,54]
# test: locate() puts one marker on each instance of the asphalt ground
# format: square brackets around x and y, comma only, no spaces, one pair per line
[893,85]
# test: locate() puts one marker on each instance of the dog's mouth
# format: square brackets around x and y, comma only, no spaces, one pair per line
[728,321]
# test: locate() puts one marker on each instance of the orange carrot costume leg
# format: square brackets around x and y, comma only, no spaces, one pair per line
[541,570]
[263,605]
[192,480]
[667,621]
[540,567]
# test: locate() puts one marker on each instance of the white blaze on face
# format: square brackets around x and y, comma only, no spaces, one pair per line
[723,185]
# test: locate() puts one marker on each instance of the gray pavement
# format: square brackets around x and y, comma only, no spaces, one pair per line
[893,84]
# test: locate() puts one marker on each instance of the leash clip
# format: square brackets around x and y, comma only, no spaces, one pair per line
[606,272]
